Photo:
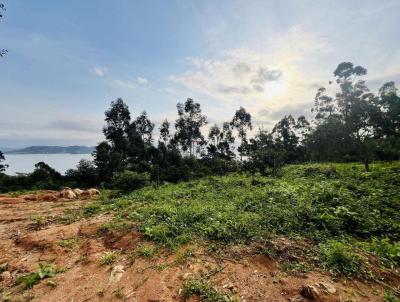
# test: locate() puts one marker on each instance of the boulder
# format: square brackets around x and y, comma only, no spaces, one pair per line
[67,193]
[78,192]
[90,192]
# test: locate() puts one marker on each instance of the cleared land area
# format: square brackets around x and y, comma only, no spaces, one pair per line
[327,232]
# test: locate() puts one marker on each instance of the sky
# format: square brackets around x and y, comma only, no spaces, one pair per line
[67,60]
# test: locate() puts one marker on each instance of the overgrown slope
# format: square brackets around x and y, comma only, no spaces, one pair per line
[318,201]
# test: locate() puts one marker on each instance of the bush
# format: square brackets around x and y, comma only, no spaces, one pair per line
[129,180]
[202,289]
[108,258]
[389,252]
[337,257]
[44,271]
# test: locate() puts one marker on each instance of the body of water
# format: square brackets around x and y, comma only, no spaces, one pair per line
[25,163]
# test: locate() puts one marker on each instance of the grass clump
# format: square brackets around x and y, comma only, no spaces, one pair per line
[39,220]
[202,289]
[108,258]
[146,251]
[339,259]
[45,270]
[68,243]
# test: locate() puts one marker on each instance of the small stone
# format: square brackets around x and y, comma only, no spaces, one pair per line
[116,274]
[6,277]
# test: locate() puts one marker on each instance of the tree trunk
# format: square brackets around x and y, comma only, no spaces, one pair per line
[366,165]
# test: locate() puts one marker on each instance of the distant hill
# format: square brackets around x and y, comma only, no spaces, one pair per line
[6,149]
[52,150]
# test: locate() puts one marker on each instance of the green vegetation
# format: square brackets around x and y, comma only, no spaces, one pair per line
[108,258]
[45,270]
[339,258]
[68,243]
[146,251]
[39,220]
[90,210]
[129,180]
[335,205]
[389,252]
[351,124]
[241,207]
[205,291]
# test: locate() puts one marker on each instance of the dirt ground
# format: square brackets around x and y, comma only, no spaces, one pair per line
[31,232]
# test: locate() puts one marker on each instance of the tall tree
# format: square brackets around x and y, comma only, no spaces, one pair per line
[164,132]
[390,107]
[352,108]
[220,141]
[265,155]
[288,135]
[144,127]
[241,121]
[188,126]
[102,160]
[3,167]
[117,123]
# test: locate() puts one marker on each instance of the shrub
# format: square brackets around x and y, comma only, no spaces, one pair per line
[108,258]
[44,271]
[339,259]
[389,252]
[146,251]
[129,180]
[91,210]
[205,291]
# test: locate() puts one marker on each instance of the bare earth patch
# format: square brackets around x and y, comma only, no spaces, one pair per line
[93,266]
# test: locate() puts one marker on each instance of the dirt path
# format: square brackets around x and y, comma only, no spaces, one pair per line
[31,233]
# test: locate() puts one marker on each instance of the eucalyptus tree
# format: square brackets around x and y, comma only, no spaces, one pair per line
[3,167]
[241,121]
[165,135]
[188,127]
[144,127]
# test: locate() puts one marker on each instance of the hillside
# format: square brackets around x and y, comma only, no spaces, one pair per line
[321,232]
[52,150]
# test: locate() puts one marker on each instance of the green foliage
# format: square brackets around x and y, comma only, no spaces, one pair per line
[68,243]
[39,220]
[205,291]
[390,297]
[389,252]
[108,258]
[300,267]
[44,271]
[92,209]
[339,258]
[146,251]
[128,180]
[318,201]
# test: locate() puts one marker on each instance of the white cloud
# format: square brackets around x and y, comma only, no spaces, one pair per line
[268,76]
[142,81]
[132,83]
[99,71]
[126,83]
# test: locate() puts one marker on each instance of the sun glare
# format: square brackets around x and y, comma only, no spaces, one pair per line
[275,88]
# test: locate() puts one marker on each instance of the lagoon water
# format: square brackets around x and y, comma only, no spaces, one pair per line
[25,163]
